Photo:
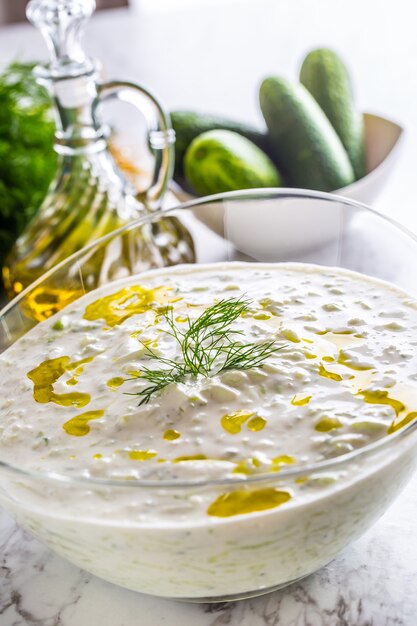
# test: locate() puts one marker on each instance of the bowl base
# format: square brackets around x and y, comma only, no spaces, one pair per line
[240,596]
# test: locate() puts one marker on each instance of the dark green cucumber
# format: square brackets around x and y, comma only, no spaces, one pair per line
[221,160]
[307,147]
[326,77]
[189,124]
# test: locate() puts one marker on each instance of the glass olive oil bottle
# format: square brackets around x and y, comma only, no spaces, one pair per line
[90,195]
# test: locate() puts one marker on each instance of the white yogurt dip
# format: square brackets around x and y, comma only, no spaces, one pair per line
[343,376]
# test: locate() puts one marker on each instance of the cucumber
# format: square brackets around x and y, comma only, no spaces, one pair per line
[222,160]
[189,124]
[307,148]
[326,77]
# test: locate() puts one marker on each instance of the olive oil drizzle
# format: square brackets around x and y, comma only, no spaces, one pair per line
[78,369]
[347,361]
[46,374]
[382,397]
[115,382]
[43,302]
[171,435]
[300,400]
[142,455]
[233,422]
[279,461]
[242,501]
[262,316]
[326,374]
[242,468]
[397,424]
[256,423]
[78,426]
[117,307]
[192,457]
[78,364]
[327,424]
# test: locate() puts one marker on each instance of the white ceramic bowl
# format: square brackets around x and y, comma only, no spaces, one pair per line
[257,230]
[382,147]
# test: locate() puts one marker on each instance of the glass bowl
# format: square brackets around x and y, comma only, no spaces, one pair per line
[149,549]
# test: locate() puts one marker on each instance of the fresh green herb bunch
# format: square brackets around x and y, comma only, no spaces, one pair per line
[209,346]
[27,159]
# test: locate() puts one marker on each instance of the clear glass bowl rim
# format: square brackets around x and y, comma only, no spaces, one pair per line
[286,473]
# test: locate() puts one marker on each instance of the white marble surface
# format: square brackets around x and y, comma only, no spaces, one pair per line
[212,55]
[373,583]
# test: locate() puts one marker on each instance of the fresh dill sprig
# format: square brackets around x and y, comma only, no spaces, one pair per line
[247,356]
[158,379]
[206,336]
[209,346]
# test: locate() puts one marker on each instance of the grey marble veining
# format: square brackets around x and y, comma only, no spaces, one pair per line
[373,583]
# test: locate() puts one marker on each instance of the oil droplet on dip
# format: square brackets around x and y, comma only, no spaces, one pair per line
[233,422]
[46,374]
[78,426]
[290,334]
[326,424]
[257,423]
[279,461]
[117,307]
[115,382]
[310,355]
[344,359]
[382,397]
[396,425]
[77,365]
[171,435]
[262,316]
[43,302]
[326,374]
[142,455]
[195,457]
[78,368]
[300,400]
[242,468]
[241,501]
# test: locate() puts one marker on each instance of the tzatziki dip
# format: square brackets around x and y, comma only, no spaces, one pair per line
[181,411]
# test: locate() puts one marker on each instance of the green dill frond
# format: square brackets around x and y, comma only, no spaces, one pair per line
[208,347]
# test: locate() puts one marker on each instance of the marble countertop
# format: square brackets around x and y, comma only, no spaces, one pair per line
[212,57]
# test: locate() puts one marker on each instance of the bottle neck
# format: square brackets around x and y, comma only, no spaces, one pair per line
[72,76]
[78,126]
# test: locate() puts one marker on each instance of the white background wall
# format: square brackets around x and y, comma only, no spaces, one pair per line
[212,55]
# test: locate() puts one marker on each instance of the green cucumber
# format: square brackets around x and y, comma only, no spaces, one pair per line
[222,160]
[326,77]
[307,148]
[189,124]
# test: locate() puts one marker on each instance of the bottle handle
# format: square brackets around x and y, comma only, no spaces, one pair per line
[161,136]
